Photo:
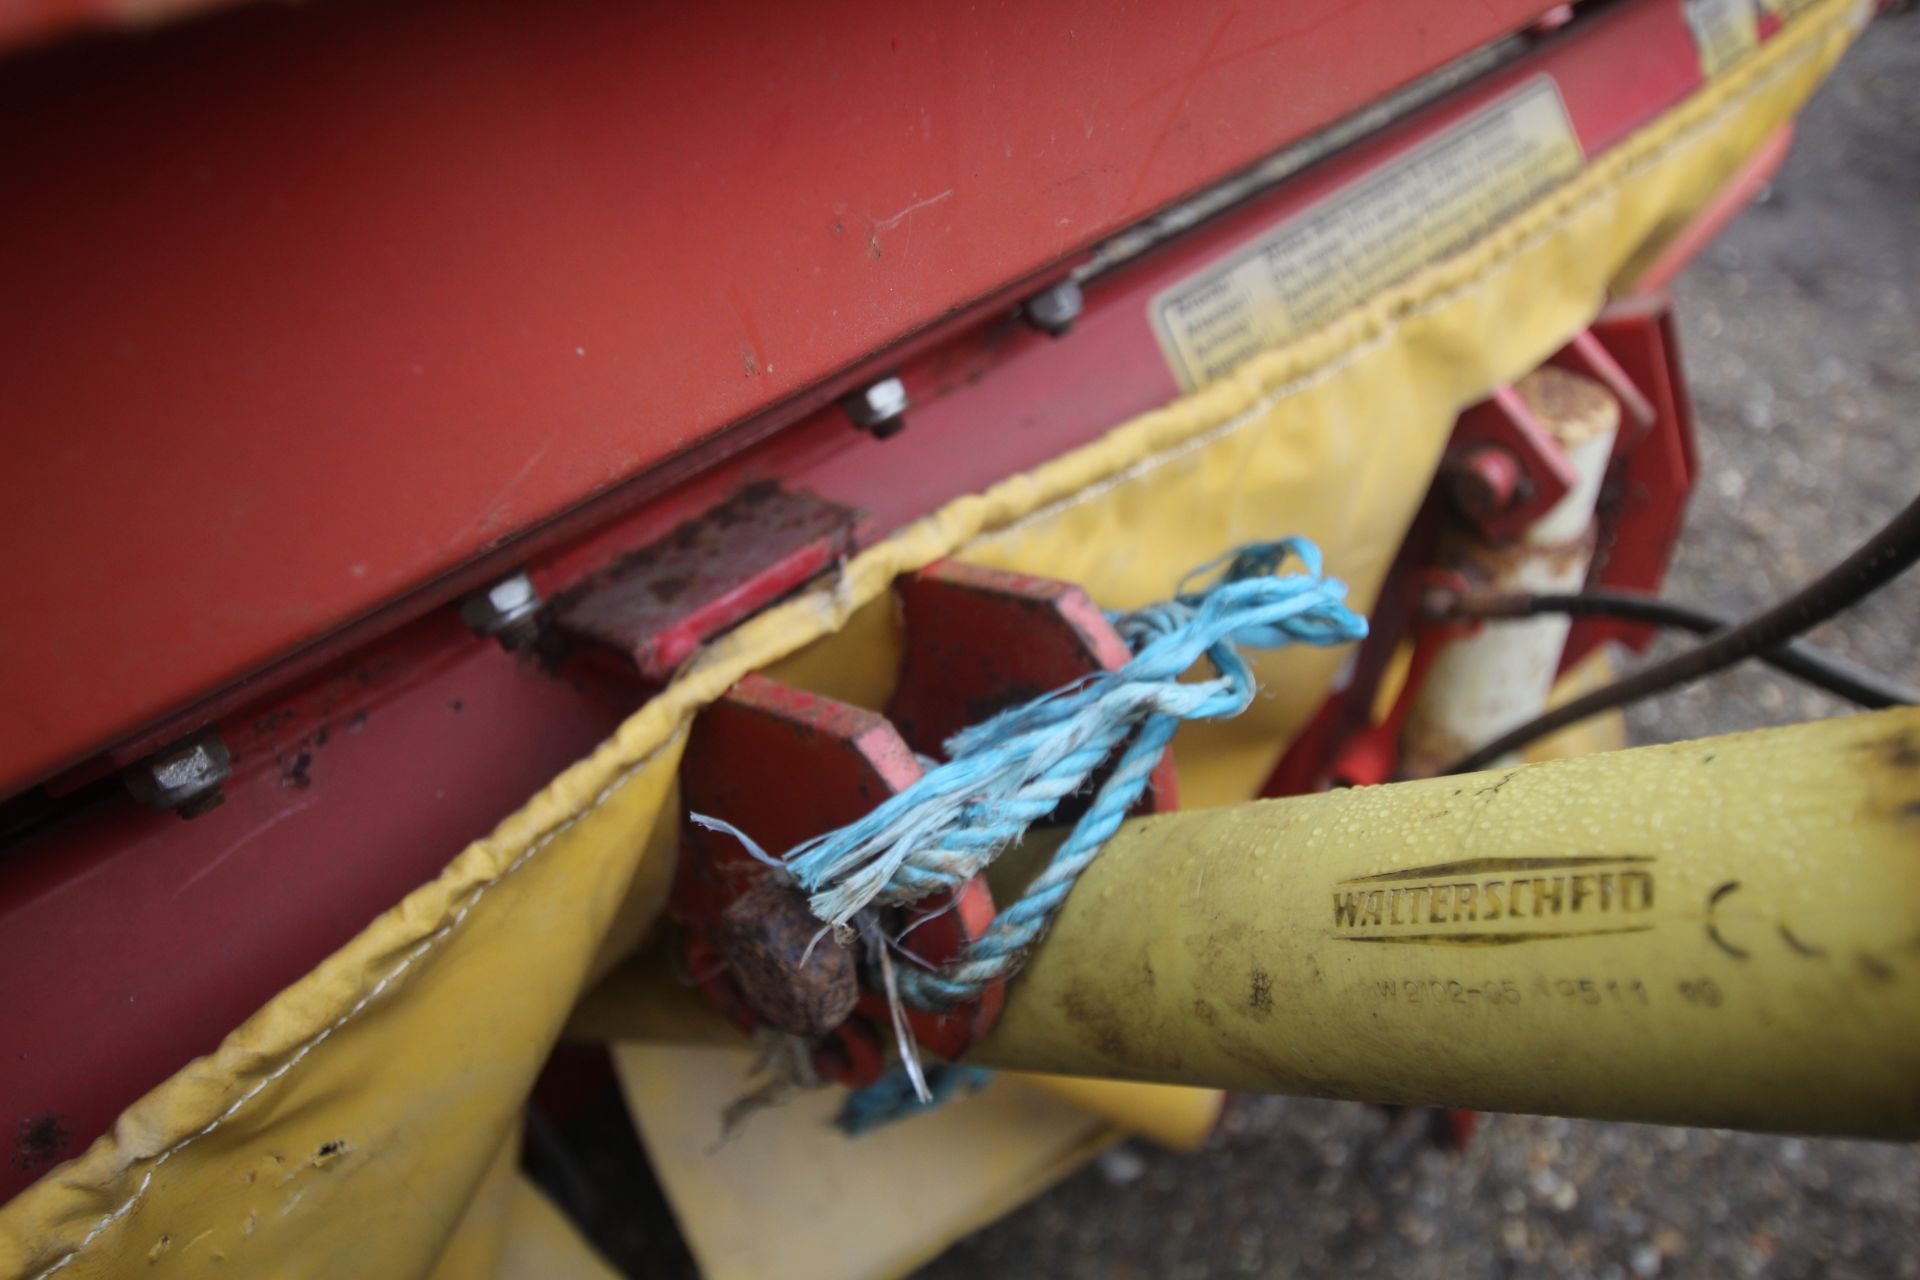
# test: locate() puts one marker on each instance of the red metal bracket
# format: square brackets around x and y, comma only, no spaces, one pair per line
[1373,754]
[784,766]
[1643,503]
[980,640]
[1630,350]
[658,604]
[1588,356]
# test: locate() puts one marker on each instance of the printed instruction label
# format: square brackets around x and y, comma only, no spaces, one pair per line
[1724,31]
[1429,202]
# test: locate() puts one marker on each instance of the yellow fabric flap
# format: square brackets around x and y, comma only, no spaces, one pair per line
[787,1194]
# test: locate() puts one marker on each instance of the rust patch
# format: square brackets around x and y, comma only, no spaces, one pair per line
[42,1140]
[273,721]
[659,602]
[295,774]
[796,979]
[1572,408]
[1509,562]
[671,588]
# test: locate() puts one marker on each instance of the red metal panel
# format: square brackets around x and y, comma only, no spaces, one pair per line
[25,21]
[130,941]
[308,306]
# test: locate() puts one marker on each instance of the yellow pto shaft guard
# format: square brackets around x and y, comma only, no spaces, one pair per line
[1723,932]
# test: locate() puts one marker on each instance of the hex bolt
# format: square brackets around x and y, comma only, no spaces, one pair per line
[507,610]
[1056,309]
[879,408]
[184,777]
[1486,480]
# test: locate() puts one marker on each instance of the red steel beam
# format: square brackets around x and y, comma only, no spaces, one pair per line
[310,306]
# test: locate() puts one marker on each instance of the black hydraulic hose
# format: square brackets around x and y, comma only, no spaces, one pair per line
[1872,565]
[1818,667]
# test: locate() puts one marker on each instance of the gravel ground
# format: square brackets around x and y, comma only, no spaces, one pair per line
[1799,328]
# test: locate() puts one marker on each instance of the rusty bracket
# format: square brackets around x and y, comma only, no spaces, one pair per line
[655,606]
[784,766]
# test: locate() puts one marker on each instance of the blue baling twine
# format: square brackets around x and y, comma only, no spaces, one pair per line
[1003,775]
[892,1096]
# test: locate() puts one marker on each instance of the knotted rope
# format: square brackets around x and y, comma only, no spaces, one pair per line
[1005,774]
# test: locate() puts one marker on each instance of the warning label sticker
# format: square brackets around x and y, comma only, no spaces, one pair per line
[1432,201]
[1723,31]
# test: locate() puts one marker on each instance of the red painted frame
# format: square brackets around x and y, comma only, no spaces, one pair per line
[311,307]
[131,942]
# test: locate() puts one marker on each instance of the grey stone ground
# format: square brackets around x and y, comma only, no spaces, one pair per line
[1800,337]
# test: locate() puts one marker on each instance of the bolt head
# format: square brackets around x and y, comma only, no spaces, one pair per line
[185,777]
[1055,309]
[190,767]
[513,595]
[1486,480]
[501,607]
[879,407]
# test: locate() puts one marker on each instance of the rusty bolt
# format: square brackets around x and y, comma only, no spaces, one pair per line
[795,983]
[879,408]
[184,777]
[1486,480]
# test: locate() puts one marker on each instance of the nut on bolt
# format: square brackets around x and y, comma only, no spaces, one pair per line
[1486,479]
[1055,309]
[507,610]
[184,777]
[879,408]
